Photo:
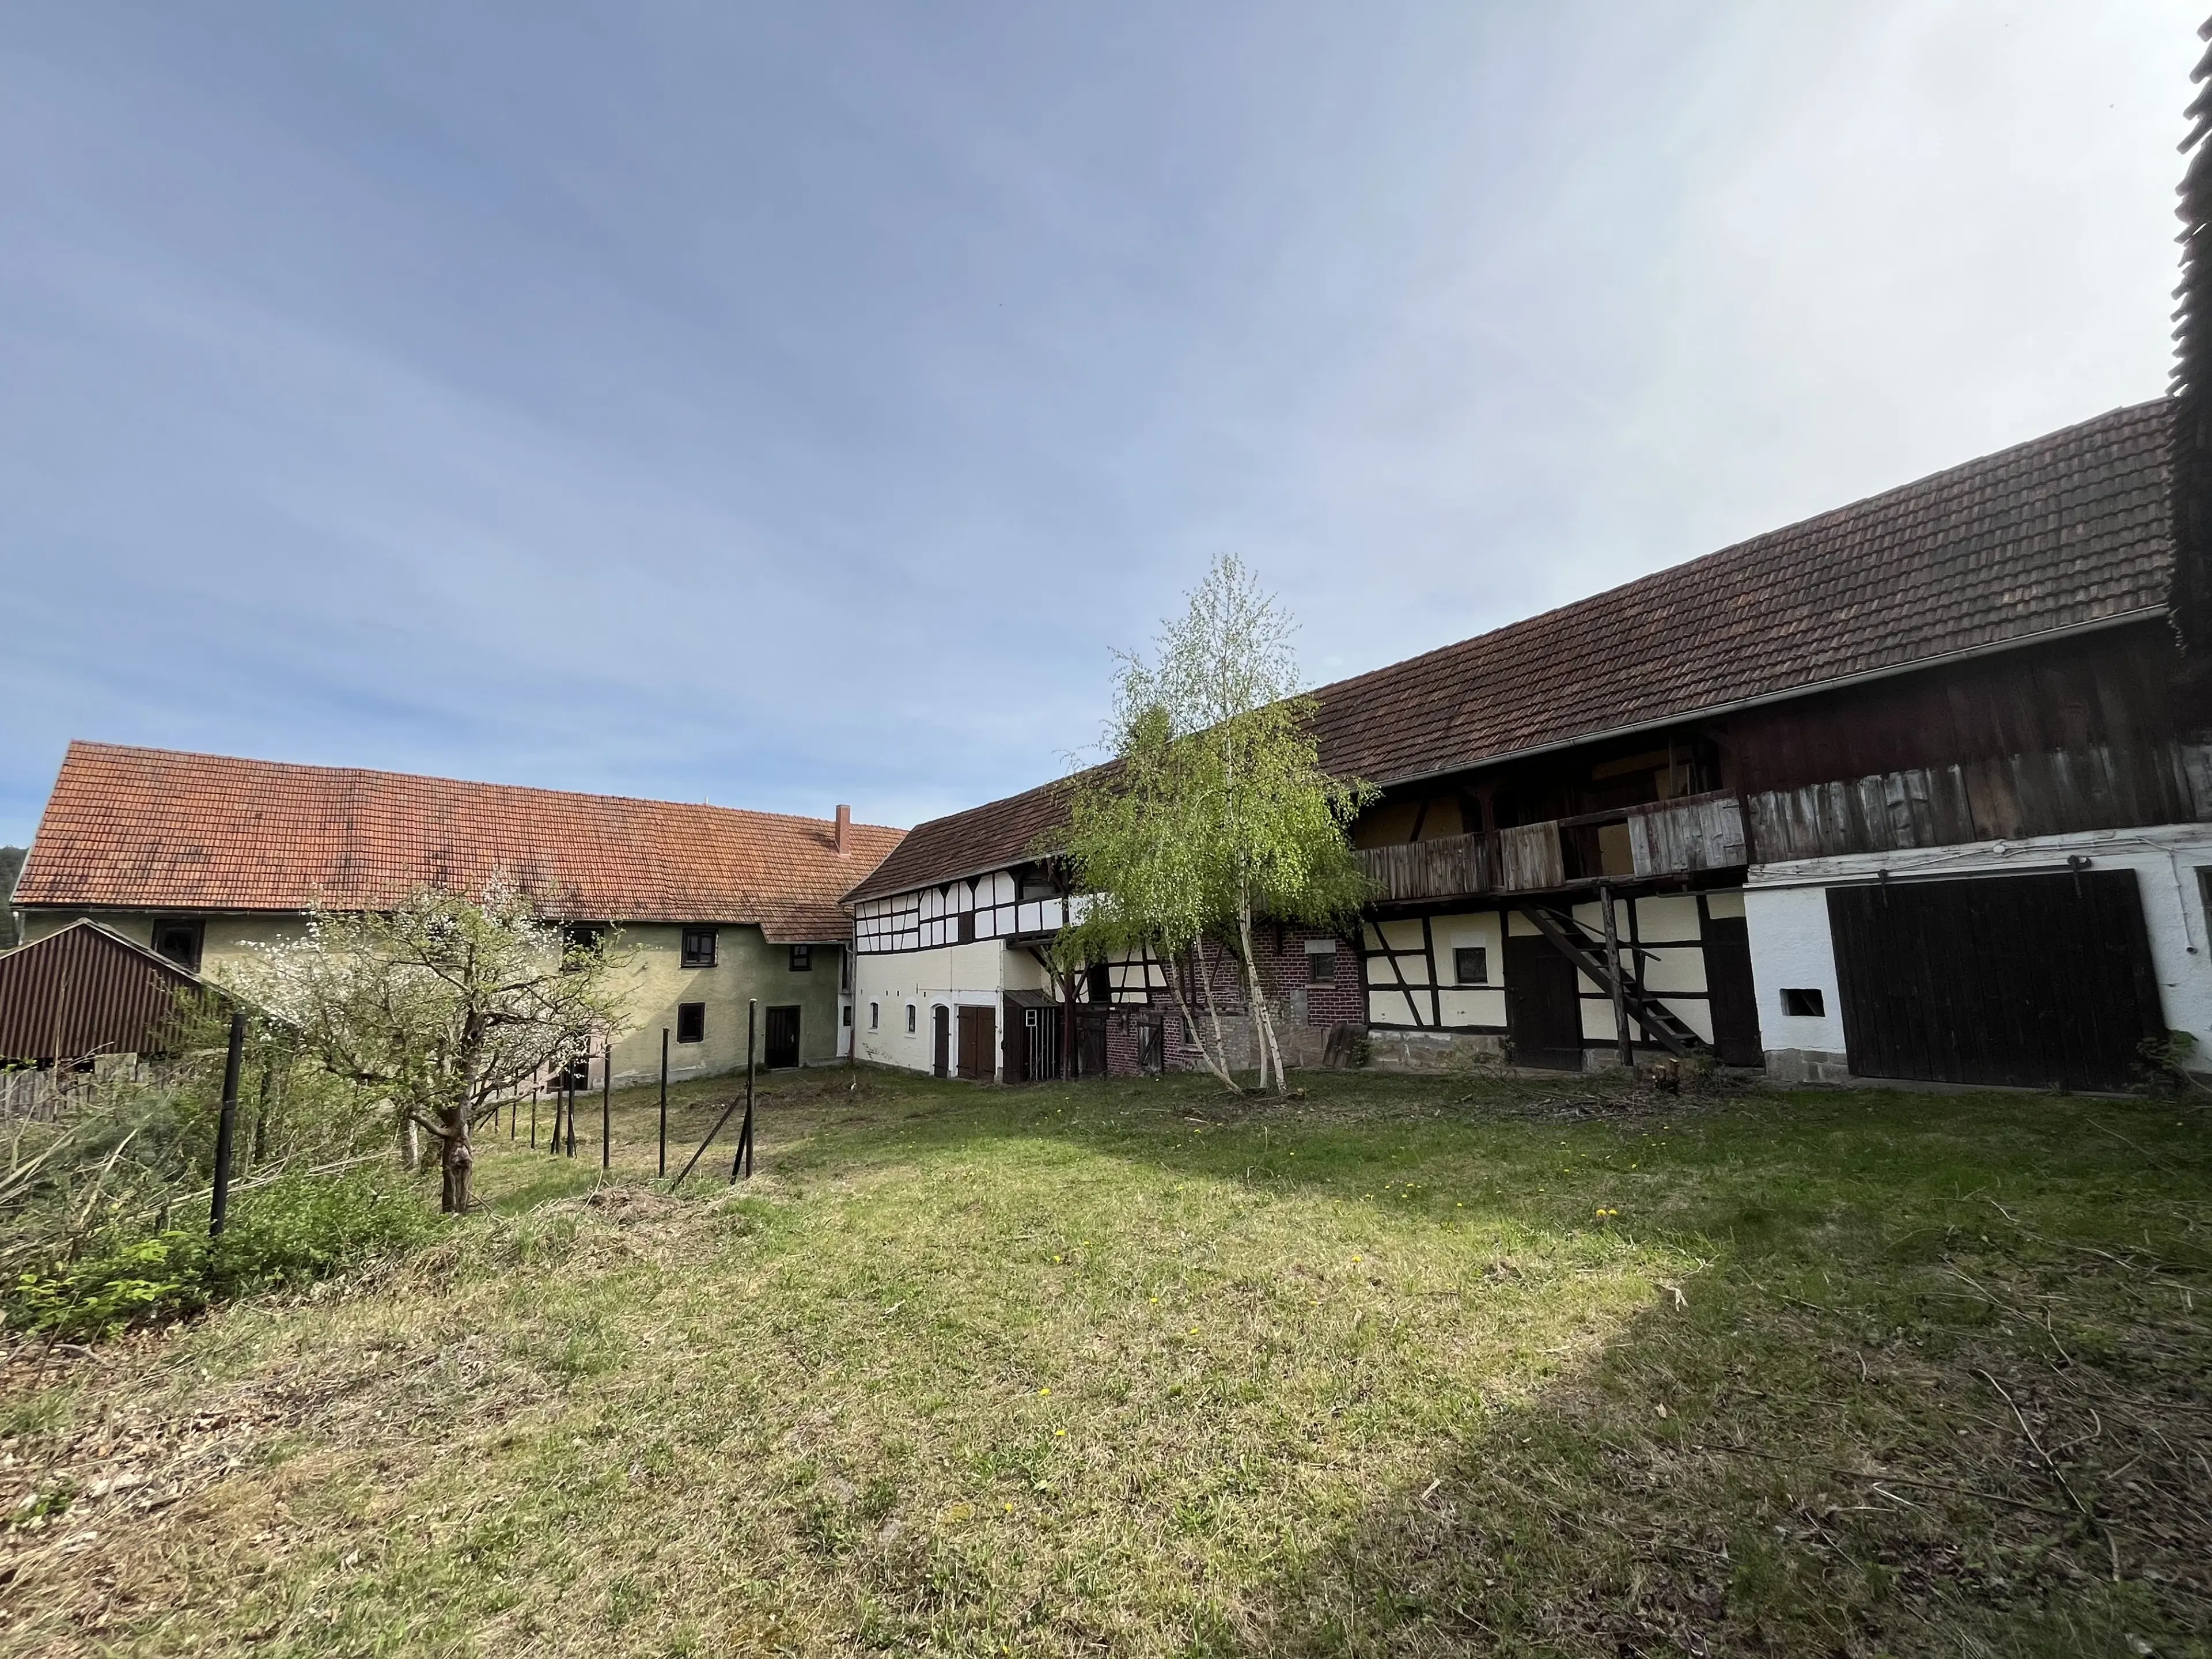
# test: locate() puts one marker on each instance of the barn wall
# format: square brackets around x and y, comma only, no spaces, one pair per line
[975,975]
[1792,947]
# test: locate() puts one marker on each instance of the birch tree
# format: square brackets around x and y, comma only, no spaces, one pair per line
[1214,811]
[442,1006]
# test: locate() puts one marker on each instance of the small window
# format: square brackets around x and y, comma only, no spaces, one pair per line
[579,937]
[1471,965]
[180,941]
[802,958]
[910,1020]
[1804,1004]
[1321,961]
[874,1011]
[845,1013]
[967,926]
[698,947]
[690,1022]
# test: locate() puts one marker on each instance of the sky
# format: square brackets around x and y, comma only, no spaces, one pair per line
[788,405]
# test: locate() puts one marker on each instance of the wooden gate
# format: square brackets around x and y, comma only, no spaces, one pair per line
[2029,980]
[979,1035]
[779,1045]
[1543,1005]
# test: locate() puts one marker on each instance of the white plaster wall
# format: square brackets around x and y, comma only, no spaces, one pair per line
[1790,947]
[956,976]
[1787,907]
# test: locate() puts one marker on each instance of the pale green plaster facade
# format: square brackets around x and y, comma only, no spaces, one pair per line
[651,968]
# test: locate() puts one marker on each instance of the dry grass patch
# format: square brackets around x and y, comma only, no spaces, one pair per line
[1120,1369]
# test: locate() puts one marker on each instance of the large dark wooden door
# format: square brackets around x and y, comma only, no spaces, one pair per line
[782,1038]
[941,1023]
[2030,981]
[979,1035]
[1735,1003]
[1543,1006]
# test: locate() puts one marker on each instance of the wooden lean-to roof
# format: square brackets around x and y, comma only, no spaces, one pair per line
[2067,532]
[155,829]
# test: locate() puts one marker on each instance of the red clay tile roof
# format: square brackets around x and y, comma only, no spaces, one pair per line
[152,829]
[2068,529]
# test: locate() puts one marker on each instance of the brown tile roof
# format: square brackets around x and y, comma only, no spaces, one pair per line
[2067,530]
[152,829]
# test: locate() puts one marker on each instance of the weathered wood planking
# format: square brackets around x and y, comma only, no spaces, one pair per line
[2004,797]
[1528,857]
[1444,868]
[1699,832]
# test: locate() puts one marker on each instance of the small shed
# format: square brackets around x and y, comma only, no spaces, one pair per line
[83,991]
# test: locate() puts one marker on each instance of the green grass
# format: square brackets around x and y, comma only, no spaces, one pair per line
[1406,1367]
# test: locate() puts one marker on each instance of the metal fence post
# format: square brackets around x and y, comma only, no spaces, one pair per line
[607,1107]
[227,1125]
[664,1100]
[743,1164]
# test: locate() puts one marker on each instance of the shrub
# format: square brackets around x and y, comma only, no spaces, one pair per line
[297,1230]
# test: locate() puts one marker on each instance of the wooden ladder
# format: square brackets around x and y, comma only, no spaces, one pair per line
[1588,954]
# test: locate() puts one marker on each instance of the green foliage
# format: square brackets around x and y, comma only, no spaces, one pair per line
[1215,809]
[297,1230]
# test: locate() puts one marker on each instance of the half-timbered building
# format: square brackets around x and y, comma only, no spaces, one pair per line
[1917,788]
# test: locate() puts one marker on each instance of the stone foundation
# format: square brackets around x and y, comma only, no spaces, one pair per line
[1793,1067]
[1433,1051]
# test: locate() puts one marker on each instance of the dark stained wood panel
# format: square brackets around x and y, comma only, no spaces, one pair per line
[1732,1000]
[2028,981]
[1543,1005]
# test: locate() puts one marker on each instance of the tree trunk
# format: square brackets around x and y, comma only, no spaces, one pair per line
[1214,1062]
[1255,997]
[410,1143]
[1214,1015]
[459,1158]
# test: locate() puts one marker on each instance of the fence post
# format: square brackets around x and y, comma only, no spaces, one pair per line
[744,1161]
[533,1117]
[664,1100]
[607,1106]
[227,1125]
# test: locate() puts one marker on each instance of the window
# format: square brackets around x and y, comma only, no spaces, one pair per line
[579,936]
[1099,983]
[910,1020]
[1804,1004]
[873,1012]
[845,1013]
[1471,965]
[180,941]
[698,947]
[690,1022]
[1321,961]
[967,926]
[802,958]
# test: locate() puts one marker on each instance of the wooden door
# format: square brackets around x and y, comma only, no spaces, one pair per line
[1735,1002]
[781,1047]
[2027,980]
[979,1035]
[1543,1005]
[941,1024]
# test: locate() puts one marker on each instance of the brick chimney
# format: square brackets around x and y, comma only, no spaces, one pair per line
[844,823]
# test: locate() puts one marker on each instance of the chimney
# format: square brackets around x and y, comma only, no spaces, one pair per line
[844,823]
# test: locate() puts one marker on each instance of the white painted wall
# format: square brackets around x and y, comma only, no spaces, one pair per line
[1787,908]
[956,976]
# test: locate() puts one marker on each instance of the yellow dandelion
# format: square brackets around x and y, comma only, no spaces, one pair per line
[1044,1391]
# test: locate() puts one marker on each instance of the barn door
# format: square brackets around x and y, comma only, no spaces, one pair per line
[782,1038]
[940,1022]
[1735,1004]
[2029,980]
[979,1035]
[1543,1005]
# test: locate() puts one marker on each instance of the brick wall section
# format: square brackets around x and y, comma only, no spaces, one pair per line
[1306,1012]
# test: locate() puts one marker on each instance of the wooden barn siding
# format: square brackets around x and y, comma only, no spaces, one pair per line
[1701,832]
[79,993]
[2007,797]
[2120,689]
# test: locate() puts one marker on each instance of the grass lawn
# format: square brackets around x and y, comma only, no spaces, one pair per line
[1408,1367]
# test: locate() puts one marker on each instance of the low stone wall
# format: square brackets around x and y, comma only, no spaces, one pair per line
[1433,1051]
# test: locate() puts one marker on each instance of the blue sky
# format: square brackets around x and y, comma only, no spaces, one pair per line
[784,405]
